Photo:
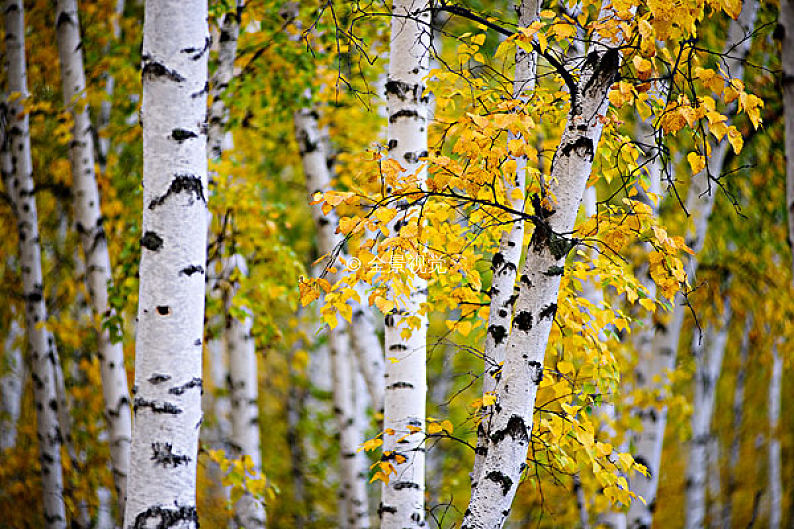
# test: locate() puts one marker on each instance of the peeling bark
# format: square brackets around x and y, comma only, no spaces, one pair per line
[171,304]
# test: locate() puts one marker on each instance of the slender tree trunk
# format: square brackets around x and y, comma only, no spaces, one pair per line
[227,53]
[366,344]
[511,424]
[738,408]
[708,352]
[162,486]
[774,472]
[664,349]
[12,383]
[103,120]
[353,491]
[353,511]
[402,498]
[249,511]
[505,262]
[786,21]
[20,188]
[88,219]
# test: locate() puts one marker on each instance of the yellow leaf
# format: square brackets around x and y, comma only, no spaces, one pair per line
[648,304]
[735,139]
[696,162]
[433,428]
[384,305]
[488,399]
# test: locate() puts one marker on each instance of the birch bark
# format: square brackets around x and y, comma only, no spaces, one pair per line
[88,220]
[708,354]
[664,347]
[249,510]
[506,260]
[366,344]
[13,381]
[511,424]
[402,498]
[353,510]
[167,405]
[20,188]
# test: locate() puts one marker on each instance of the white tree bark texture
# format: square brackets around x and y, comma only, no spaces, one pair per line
[664,347]
[244,395]
[708,350]
[20,188]
[168,377]
[505,262]
[402,498]
[12,383]
[353,510]
[88,221]
[511,424]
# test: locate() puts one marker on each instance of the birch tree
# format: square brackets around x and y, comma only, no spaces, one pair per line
[353,494]
[167,405]
[664,347]
[12,382]
[505,261]
[402,498]
[708,351]
[88,221]
[20,187]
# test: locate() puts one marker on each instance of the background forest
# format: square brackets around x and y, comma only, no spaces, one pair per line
[467,263]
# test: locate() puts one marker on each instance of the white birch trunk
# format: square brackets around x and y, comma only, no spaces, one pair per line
[664,349]
[20,188]
[88,220]
[353,489]
[506,260]
[162,484]
[227,53]
[511,424]
[774,471]
[103,120]
[402,498]
[708,351]
[738,409]
[12,383]
[244,388]
[786,21]
[353,503]
[366,344]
